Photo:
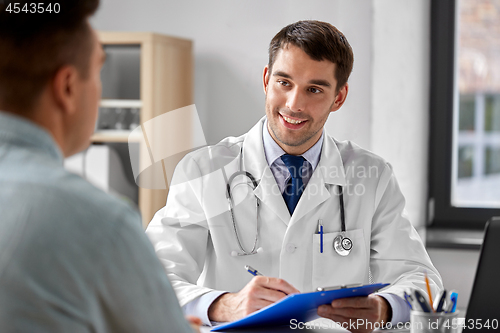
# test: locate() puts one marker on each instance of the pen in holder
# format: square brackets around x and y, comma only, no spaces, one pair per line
[434,322]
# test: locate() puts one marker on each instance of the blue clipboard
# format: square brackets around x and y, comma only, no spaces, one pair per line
[302,307]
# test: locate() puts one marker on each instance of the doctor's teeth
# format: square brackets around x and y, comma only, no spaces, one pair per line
[291,121]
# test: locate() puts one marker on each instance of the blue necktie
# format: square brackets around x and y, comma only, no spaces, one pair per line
[295,186]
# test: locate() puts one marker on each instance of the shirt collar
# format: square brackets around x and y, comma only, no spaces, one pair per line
[16,129]
[273,151]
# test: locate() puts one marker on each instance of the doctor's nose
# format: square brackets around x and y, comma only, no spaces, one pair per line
[295,100]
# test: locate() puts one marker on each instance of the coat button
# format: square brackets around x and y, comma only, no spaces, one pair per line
[290,248]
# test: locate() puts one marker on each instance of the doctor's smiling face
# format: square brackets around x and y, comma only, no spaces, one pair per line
[300,94]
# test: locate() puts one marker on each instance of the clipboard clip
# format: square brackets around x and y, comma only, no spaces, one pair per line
[343,286]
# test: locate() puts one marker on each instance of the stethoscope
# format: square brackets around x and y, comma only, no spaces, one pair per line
[230,200]
[341,244]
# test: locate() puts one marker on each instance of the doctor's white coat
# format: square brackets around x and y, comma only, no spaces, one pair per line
[194,236]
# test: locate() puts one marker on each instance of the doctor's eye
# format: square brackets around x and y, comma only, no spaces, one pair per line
[284,83]
[314,90]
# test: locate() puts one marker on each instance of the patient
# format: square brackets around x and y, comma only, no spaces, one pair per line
[72,259]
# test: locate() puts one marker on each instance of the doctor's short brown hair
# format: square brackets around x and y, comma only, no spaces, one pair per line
[34,46]
[320,41]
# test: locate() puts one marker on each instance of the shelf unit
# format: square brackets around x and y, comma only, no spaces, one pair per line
[166,84]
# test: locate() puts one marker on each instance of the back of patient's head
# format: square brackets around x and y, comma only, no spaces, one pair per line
[35,45]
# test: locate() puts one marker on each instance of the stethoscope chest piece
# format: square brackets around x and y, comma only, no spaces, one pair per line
[342,245]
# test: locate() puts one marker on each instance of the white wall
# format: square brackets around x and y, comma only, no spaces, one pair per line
[386,108]
[400,90]
[230,47]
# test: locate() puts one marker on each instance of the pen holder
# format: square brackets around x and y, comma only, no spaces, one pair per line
[432,322]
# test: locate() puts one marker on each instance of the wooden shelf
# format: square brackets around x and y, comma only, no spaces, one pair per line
[166,84]
[115,136]
[121,103]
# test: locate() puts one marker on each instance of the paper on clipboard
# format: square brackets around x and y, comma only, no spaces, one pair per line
[301,307]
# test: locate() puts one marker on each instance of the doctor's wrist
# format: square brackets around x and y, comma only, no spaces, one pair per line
[385,310]
[220,309]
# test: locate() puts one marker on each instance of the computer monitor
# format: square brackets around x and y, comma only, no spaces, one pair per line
[484,304]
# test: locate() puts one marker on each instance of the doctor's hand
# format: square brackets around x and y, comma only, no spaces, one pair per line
[257,294]
[358,310]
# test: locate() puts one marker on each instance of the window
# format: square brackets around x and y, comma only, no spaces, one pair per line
[464,159]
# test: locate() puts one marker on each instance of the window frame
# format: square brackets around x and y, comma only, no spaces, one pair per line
[440,211]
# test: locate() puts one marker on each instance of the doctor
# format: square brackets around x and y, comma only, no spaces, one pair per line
[298,181]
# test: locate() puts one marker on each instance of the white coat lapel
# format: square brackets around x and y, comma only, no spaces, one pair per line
[330,170]
[254,160]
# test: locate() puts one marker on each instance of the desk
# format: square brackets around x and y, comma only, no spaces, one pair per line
[322,325]
[206,329]
[280,329]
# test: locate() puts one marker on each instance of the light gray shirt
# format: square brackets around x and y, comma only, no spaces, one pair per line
[72,258]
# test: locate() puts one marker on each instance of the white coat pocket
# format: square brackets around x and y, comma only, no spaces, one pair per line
[331,269]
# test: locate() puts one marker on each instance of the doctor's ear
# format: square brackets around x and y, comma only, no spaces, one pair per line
[340,98]
[265,78]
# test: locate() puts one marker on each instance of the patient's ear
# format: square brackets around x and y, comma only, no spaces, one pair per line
[64,88]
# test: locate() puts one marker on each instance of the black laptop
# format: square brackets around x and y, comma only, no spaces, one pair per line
[484,304]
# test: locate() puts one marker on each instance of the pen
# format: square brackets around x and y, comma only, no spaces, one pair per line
[453,302]
[320,230]
[422,302]
[440,300]
[409,300]
[252,270]
[429,291]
